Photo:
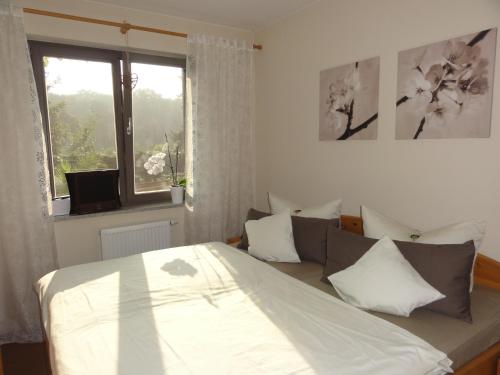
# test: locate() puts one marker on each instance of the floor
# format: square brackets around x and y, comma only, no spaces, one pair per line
[24,359]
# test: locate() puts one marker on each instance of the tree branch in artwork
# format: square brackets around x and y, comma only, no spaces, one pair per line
[420,128]
[447,87]
[341,104]
[480,36]
[402,100]
[349,132]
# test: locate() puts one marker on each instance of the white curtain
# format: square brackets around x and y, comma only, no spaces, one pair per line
[27,249]
[219,137]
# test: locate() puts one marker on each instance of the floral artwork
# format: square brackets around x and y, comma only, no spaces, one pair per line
[445,89]
[349,101]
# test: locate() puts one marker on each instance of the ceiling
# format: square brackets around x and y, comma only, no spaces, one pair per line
[245,14]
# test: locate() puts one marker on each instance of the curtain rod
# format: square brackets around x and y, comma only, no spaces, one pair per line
[123,26]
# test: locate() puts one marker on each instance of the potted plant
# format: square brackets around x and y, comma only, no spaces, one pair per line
[155,164]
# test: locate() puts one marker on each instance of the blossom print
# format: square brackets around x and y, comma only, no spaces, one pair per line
[349,101]
[445,88]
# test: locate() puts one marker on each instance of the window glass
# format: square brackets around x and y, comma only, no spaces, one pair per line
[95,121]
[158,115]
[81,117]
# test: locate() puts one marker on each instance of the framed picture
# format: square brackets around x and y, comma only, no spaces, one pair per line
[445,89]
[348,96]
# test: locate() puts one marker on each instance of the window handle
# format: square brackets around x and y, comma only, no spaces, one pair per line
[129,126]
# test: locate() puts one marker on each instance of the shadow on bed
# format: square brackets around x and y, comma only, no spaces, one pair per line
[179,267]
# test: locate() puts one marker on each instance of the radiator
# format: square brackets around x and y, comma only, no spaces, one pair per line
[134,239]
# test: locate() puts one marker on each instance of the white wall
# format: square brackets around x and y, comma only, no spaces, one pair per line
[424,183]
[49,28]
[78,239]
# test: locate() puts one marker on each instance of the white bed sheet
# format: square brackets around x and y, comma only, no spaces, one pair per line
[210,309]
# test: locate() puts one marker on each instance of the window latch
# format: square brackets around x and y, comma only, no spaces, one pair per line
[129,126]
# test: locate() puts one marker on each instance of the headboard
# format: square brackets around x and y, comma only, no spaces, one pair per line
[486,270]
[353,224]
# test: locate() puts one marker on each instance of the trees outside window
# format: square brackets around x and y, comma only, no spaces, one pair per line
[94,122]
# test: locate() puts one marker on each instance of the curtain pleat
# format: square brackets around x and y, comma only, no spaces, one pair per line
[27,246]
[220,139]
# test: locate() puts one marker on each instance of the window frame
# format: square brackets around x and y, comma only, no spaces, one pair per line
[123,107]
[153,197]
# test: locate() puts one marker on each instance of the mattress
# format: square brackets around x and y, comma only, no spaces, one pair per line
[461,341]
[210,309]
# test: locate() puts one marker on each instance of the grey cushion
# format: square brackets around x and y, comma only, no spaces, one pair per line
[445,267]
[309,235]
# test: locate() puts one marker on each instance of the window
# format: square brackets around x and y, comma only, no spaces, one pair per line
[94,122]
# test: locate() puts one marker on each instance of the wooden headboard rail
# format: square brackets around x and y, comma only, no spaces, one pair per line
[486,270]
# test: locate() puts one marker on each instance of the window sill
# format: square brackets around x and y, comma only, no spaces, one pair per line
[123,210]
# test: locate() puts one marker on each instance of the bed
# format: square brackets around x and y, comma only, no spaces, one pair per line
[213,309]
[474,348]
[461,341]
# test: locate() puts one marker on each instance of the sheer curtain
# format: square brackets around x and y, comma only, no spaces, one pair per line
[219,137]
[27,248]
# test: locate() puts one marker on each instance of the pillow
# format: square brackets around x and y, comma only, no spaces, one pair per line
[309,235]
[330,210]
[252,214]
[445,267]
[376,225]
[271,238]
[278,204]
[456,233]
[383,280]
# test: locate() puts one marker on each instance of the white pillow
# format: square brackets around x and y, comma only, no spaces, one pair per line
[383,280]
[376,225]
[278,204]
[271,238]
[456,233]
[330,210]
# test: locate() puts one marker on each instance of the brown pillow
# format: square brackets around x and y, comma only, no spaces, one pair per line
[309,235]
[445,267]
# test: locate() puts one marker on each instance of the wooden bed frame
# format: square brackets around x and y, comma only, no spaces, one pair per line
[486,273]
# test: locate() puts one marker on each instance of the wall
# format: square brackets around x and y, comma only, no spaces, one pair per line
[48,28]
[78,239]
[426,183]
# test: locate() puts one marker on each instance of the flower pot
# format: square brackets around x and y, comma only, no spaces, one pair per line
[177,193]
[61,206]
